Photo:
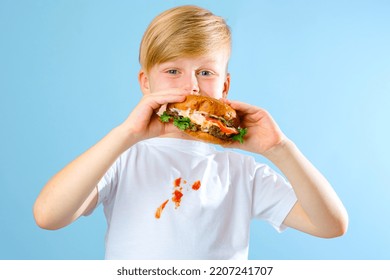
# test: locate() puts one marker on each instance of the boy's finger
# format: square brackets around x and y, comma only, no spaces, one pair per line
[244,107]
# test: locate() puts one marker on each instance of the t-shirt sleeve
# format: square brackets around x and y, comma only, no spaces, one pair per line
[107,184]
[273,196]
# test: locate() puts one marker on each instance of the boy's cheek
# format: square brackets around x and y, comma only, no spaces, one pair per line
[160,85]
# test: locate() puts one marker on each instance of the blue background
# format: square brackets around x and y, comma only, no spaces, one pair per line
[68,75]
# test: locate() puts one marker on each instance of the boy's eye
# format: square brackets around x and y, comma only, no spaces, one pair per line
[205,73]
[172,71]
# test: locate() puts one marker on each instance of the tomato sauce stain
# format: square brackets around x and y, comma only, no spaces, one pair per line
[177,195]
[160,209]
[177,182]
[196,185]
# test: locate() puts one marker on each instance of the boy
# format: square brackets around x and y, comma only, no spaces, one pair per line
[167,196]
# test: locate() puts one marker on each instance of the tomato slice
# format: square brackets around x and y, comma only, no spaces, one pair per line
[222,127]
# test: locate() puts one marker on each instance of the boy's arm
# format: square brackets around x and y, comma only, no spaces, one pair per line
[63,199]
[72,191]
[318,210]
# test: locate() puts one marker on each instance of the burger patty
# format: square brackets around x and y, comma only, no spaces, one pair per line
[216,132]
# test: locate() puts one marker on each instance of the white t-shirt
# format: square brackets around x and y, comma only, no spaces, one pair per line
[168,198]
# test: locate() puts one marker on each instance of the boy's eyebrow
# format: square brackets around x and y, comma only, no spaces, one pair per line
[206,62]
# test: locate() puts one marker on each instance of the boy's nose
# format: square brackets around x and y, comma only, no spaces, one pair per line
[191,85]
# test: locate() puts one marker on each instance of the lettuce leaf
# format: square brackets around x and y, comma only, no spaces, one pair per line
[165,117]
[240,136]
[182,123]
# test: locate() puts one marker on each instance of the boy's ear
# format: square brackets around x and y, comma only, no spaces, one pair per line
[226,86]
[143,81]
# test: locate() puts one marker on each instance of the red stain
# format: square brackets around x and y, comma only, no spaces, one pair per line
[176,198]
[177,192]
[160,209]
[196,185]
[177,182]
[176,195]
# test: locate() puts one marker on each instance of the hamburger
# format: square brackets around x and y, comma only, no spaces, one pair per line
[206,119]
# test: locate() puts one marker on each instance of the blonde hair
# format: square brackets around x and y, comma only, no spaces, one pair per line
[185,31]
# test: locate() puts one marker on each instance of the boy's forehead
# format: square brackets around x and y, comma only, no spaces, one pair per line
[210,58]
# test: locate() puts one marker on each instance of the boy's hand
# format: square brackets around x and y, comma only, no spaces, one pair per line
[143,121]
[263,135]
